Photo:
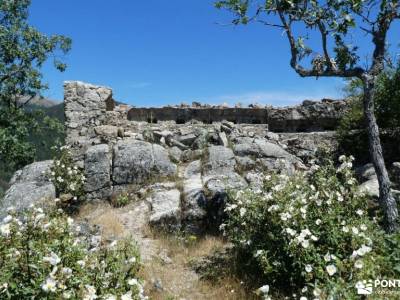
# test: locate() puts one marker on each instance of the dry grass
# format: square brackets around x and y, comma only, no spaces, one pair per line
[177,278]
[102,215]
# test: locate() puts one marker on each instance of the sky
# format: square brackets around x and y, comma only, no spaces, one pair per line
[157,52]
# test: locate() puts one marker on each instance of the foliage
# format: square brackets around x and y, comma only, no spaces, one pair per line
[334,22]
[120,200]
[387,111]
[66,176]
[42,257]
[310,235]
[23,51]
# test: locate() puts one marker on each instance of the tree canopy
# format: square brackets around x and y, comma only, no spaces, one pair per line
[23,51]
[333,20]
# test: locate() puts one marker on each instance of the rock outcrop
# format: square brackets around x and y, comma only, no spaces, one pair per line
[29,186]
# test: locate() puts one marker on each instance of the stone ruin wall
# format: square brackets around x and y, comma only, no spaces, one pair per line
[92,117]
[187,157]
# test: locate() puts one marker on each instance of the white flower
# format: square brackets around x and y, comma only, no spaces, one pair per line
[70,221]
[67,295]
[358,264]
[285,216]
[304,289]
[90,293]
[291,231]
[133,281]
[242,211]
[53,259]
[39,217]
[59,179]
[127,296]
[345,229]
[359,212]
[317,292]
[331,269]
[318,221]
[314,238]
[363,227]
[50,285]
[5,230]
[355,230]
[308,268]
[81,263]
[264,289]
[7,219]
[327,257]
[305,243]
[258,253]
[67,271]
[132,260]
[342,158]
[110,297]
[363,250]
[303,210]
[303,298]
[273,207]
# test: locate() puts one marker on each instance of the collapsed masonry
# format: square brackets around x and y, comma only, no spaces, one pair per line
[184,159]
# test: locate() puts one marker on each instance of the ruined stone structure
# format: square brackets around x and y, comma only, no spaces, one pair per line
[310,116]
[180,161]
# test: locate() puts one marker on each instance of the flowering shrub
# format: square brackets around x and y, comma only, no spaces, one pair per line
[67,177]
[309,234]
[41,257]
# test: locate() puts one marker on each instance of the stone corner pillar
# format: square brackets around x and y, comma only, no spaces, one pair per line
[85,107]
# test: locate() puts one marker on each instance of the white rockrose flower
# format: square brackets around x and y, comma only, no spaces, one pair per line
[359,212]
[345,229]
[133,281]
[127,296]
[331,269]
[355,230]
[90,293]
[318,221]
[81,263]
[70,221]
[358,264]
[305,243]
[264,289]
[7,219]
[317,292]
[242,211]
[53,259]
[5,230]
[308,268]
[50,285]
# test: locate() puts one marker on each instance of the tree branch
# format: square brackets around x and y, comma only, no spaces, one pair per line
[323,32]
[354,72]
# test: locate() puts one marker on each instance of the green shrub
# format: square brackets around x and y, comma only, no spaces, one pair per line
[42,257]
[120,200]
[65,175]
[308,234]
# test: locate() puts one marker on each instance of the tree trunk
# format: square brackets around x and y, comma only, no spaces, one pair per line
[386,199]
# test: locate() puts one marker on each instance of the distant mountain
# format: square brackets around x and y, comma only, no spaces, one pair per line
[39,101]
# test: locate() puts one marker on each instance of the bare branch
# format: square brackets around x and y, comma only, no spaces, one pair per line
[323,32]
